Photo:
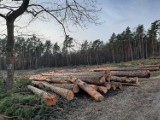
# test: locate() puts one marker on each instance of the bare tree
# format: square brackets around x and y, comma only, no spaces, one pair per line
[65,12]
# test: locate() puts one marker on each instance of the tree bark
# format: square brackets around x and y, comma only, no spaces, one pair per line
[51,99]
[113,85]
[140,74]
[152,68]
[124,80]
[73,87]
[10,55]
[10,18]
[92,92]
[107,85]
[102,89]
[65,93]
[49,79]
[93,86]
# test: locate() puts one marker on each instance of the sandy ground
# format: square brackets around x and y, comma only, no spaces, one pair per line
[131,103]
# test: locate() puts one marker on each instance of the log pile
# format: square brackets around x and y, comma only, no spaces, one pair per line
[96,83]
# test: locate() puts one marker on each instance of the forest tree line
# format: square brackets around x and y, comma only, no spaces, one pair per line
[32,53]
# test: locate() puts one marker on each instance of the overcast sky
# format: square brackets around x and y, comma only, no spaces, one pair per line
[116,15]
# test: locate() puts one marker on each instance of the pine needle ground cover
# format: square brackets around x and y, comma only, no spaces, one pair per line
[25,106]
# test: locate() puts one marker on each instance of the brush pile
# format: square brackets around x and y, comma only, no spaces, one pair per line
[96,82]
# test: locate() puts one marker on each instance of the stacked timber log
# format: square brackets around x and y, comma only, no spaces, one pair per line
[155,57]
[96,83]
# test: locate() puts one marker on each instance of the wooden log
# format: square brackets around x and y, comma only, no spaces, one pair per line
[140,74]
[102,89]
[150,68]
[49,79]
[100,74]
[73,87]
[114,85]
[124,79]
[90,79]
[92,92]
[51,99]
[93,80]
[65,93]
[62,78]
[57,80]
[158,65]
[118,85]
[156,68]
[155,57]
[129,84]
[48,74]
[93,86]
[107,85]
[38,77]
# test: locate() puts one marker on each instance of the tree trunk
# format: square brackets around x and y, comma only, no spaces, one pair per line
[124,79]
[93,86]
[107,85]
[102,89]
[10,55]
[73,87]
[140,74]
[114,85]
[49,79]
[65,93]
[92,92]
[51,99]
[152,68]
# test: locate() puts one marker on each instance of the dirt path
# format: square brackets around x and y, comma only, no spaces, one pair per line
[131,103]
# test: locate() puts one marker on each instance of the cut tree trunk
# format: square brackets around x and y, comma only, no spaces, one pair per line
[158,65]
[49,79]
[158,57]
[124,79]
[48,74]
[38,77]
[156,68]
[128,84]
[140,74]
[102,89]
[65,93]
[107,85]
[93,86]
[51,99]
[90,79]
[114,85]
[57,80]
[73,87]
[93,80]
[92,92]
